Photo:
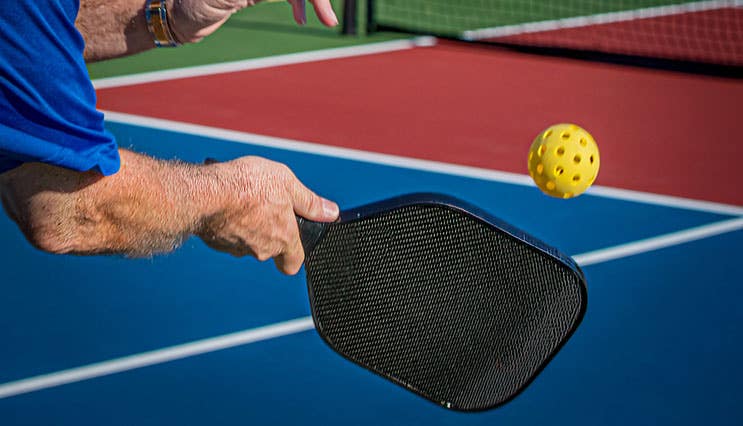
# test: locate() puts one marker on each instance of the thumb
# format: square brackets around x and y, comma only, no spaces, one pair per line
[311,206]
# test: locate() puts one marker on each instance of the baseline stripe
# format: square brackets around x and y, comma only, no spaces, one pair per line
[299,325]
[599,19]
[267,62]
[411,163]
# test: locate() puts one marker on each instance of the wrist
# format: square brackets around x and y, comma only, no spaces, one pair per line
[158,15]
[177,17]
[195,193]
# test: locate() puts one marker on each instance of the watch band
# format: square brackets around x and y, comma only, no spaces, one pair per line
[156,13]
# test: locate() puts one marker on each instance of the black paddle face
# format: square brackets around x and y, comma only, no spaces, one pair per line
[443,300]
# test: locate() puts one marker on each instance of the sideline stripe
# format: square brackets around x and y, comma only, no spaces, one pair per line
[659,242]
[411,163]
[159,356]
[599,19]
[267,62]
[299,325]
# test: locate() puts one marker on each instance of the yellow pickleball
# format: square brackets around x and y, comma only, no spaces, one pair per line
[564,160]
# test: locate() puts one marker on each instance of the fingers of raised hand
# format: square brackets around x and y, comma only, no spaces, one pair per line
[323,10]
[299,10]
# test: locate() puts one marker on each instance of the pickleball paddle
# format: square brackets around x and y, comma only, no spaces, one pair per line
[441,298]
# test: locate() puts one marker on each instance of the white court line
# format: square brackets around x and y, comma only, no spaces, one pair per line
[598,19]
[267,62]
[411,163]
[159,356]
[305,323]
[299,325]
[659,242]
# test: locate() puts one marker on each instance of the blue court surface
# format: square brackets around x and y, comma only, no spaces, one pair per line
[661,342]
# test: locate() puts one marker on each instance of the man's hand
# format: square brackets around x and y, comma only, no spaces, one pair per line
[258,217]
[113,28]
[243,207]
[192,20]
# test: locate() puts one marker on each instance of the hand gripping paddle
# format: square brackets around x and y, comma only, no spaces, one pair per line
[441,298]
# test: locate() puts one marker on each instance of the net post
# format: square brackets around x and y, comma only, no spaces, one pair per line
[371,22]
[349,17]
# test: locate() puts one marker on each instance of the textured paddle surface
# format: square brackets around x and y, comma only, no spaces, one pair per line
[442,303]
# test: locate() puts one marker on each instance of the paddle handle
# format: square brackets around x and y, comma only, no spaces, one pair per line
[310,233]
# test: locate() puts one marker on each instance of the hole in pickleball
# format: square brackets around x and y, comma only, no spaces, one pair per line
[560,151]
[559,170]
[576,159]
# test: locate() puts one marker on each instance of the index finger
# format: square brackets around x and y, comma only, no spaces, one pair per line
[324,11]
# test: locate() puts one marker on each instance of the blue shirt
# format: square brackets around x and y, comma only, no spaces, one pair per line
[47,102]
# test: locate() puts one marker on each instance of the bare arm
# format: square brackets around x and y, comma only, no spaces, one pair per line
[113,28]
[243,207]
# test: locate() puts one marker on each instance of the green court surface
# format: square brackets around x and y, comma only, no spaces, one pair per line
[454,17]
[259,31]
[112,341]
[268,29]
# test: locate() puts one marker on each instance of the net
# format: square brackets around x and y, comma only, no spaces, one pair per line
[697,31]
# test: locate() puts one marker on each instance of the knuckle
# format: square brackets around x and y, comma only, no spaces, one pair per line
[290,234]
[292,268]
[262,256]
[46,241]
[284,169]
[313,202]
[289,265]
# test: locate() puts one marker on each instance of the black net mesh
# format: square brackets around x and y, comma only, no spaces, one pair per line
[441,303]
[692,30]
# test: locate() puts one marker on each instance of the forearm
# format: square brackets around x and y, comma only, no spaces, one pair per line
[113,28]
[148,207]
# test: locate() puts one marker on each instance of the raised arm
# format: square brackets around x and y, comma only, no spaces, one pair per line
[243,207]
[113,28]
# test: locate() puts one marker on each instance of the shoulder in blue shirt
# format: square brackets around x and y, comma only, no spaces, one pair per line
[47,102]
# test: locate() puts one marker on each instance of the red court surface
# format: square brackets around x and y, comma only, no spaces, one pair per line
[714,36]
[658,131]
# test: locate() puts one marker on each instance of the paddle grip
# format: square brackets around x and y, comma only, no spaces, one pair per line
[310,233]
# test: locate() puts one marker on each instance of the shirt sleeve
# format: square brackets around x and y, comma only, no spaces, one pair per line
[47,101]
